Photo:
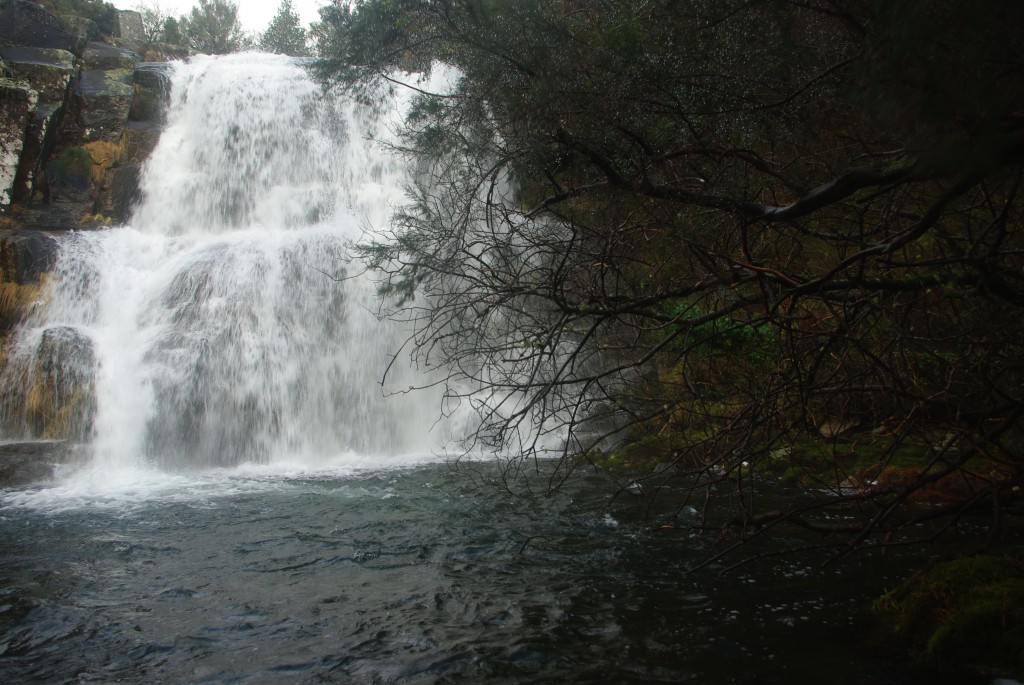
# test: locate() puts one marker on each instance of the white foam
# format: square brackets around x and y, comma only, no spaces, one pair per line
[123,489]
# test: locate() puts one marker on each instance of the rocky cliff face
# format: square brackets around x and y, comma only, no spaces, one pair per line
[79,113]
[74,115]
[78,116]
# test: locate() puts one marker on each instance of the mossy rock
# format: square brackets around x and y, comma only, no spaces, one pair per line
[25,256]
[61,402]
[872,461]
[647,451]
[71,169]
[966,612]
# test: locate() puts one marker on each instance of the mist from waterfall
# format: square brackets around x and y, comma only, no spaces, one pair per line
[226,325]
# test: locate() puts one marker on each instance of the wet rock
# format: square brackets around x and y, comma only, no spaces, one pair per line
[157,52]
[68,177]
[16,303]
[104,91]
[139,47]
[86,30]
[103,57]
[105,101]
[141,138]
[49,72]
[120,192]
[28,24]
[28,462]
[17,105]
[56,216]
[25,256]
[152,92]
[61,402]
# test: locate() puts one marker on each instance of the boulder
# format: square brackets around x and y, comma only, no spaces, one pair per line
[55,216]
[49,72]
[104,102]
[61,402]
[86,30]
[22,463]
[68,176]
[141,138]
[129,25]
[103,57]
[163,52]
[120,191]
[78,184]
[139,47]
[152,92]
[68,192]
[25,256]
[104,91]
[17,105]
[28,24]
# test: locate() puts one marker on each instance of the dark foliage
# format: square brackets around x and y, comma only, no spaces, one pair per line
[746,233]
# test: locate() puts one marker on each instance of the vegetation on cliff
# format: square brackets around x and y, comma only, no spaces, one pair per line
[721,241]
[963,611]
[102,13]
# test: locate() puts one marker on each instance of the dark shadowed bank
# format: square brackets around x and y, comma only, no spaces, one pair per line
[724,242]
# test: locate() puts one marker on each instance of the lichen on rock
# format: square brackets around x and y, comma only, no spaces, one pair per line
[17,105]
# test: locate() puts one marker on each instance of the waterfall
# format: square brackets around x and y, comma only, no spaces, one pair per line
[226,325]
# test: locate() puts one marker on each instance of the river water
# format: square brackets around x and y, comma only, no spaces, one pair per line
[252,505]
[406,573]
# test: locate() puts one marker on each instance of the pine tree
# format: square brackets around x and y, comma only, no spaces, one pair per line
[213,28]
[285,35]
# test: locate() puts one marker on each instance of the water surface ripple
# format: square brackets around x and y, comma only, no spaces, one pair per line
[407,575]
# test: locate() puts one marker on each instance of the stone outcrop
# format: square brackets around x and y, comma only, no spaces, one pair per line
[17,106]
[152,91]
[49,72]
[27,24]
[25,256]
[104,91]
[79,116]
[129,25]
[61,401]
[25,259]
[29,462]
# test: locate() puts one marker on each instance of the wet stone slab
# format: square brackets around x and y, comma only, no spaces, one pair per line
[30,462]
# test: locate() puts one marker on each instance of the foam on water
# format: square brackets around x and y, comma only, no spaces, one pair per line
[126,489]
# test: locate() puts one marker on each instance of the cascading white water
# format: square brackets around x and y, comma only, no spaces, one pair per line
[226,324]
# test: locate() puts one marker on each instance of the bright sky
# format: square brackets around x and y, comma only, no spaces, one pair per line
[255,15]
